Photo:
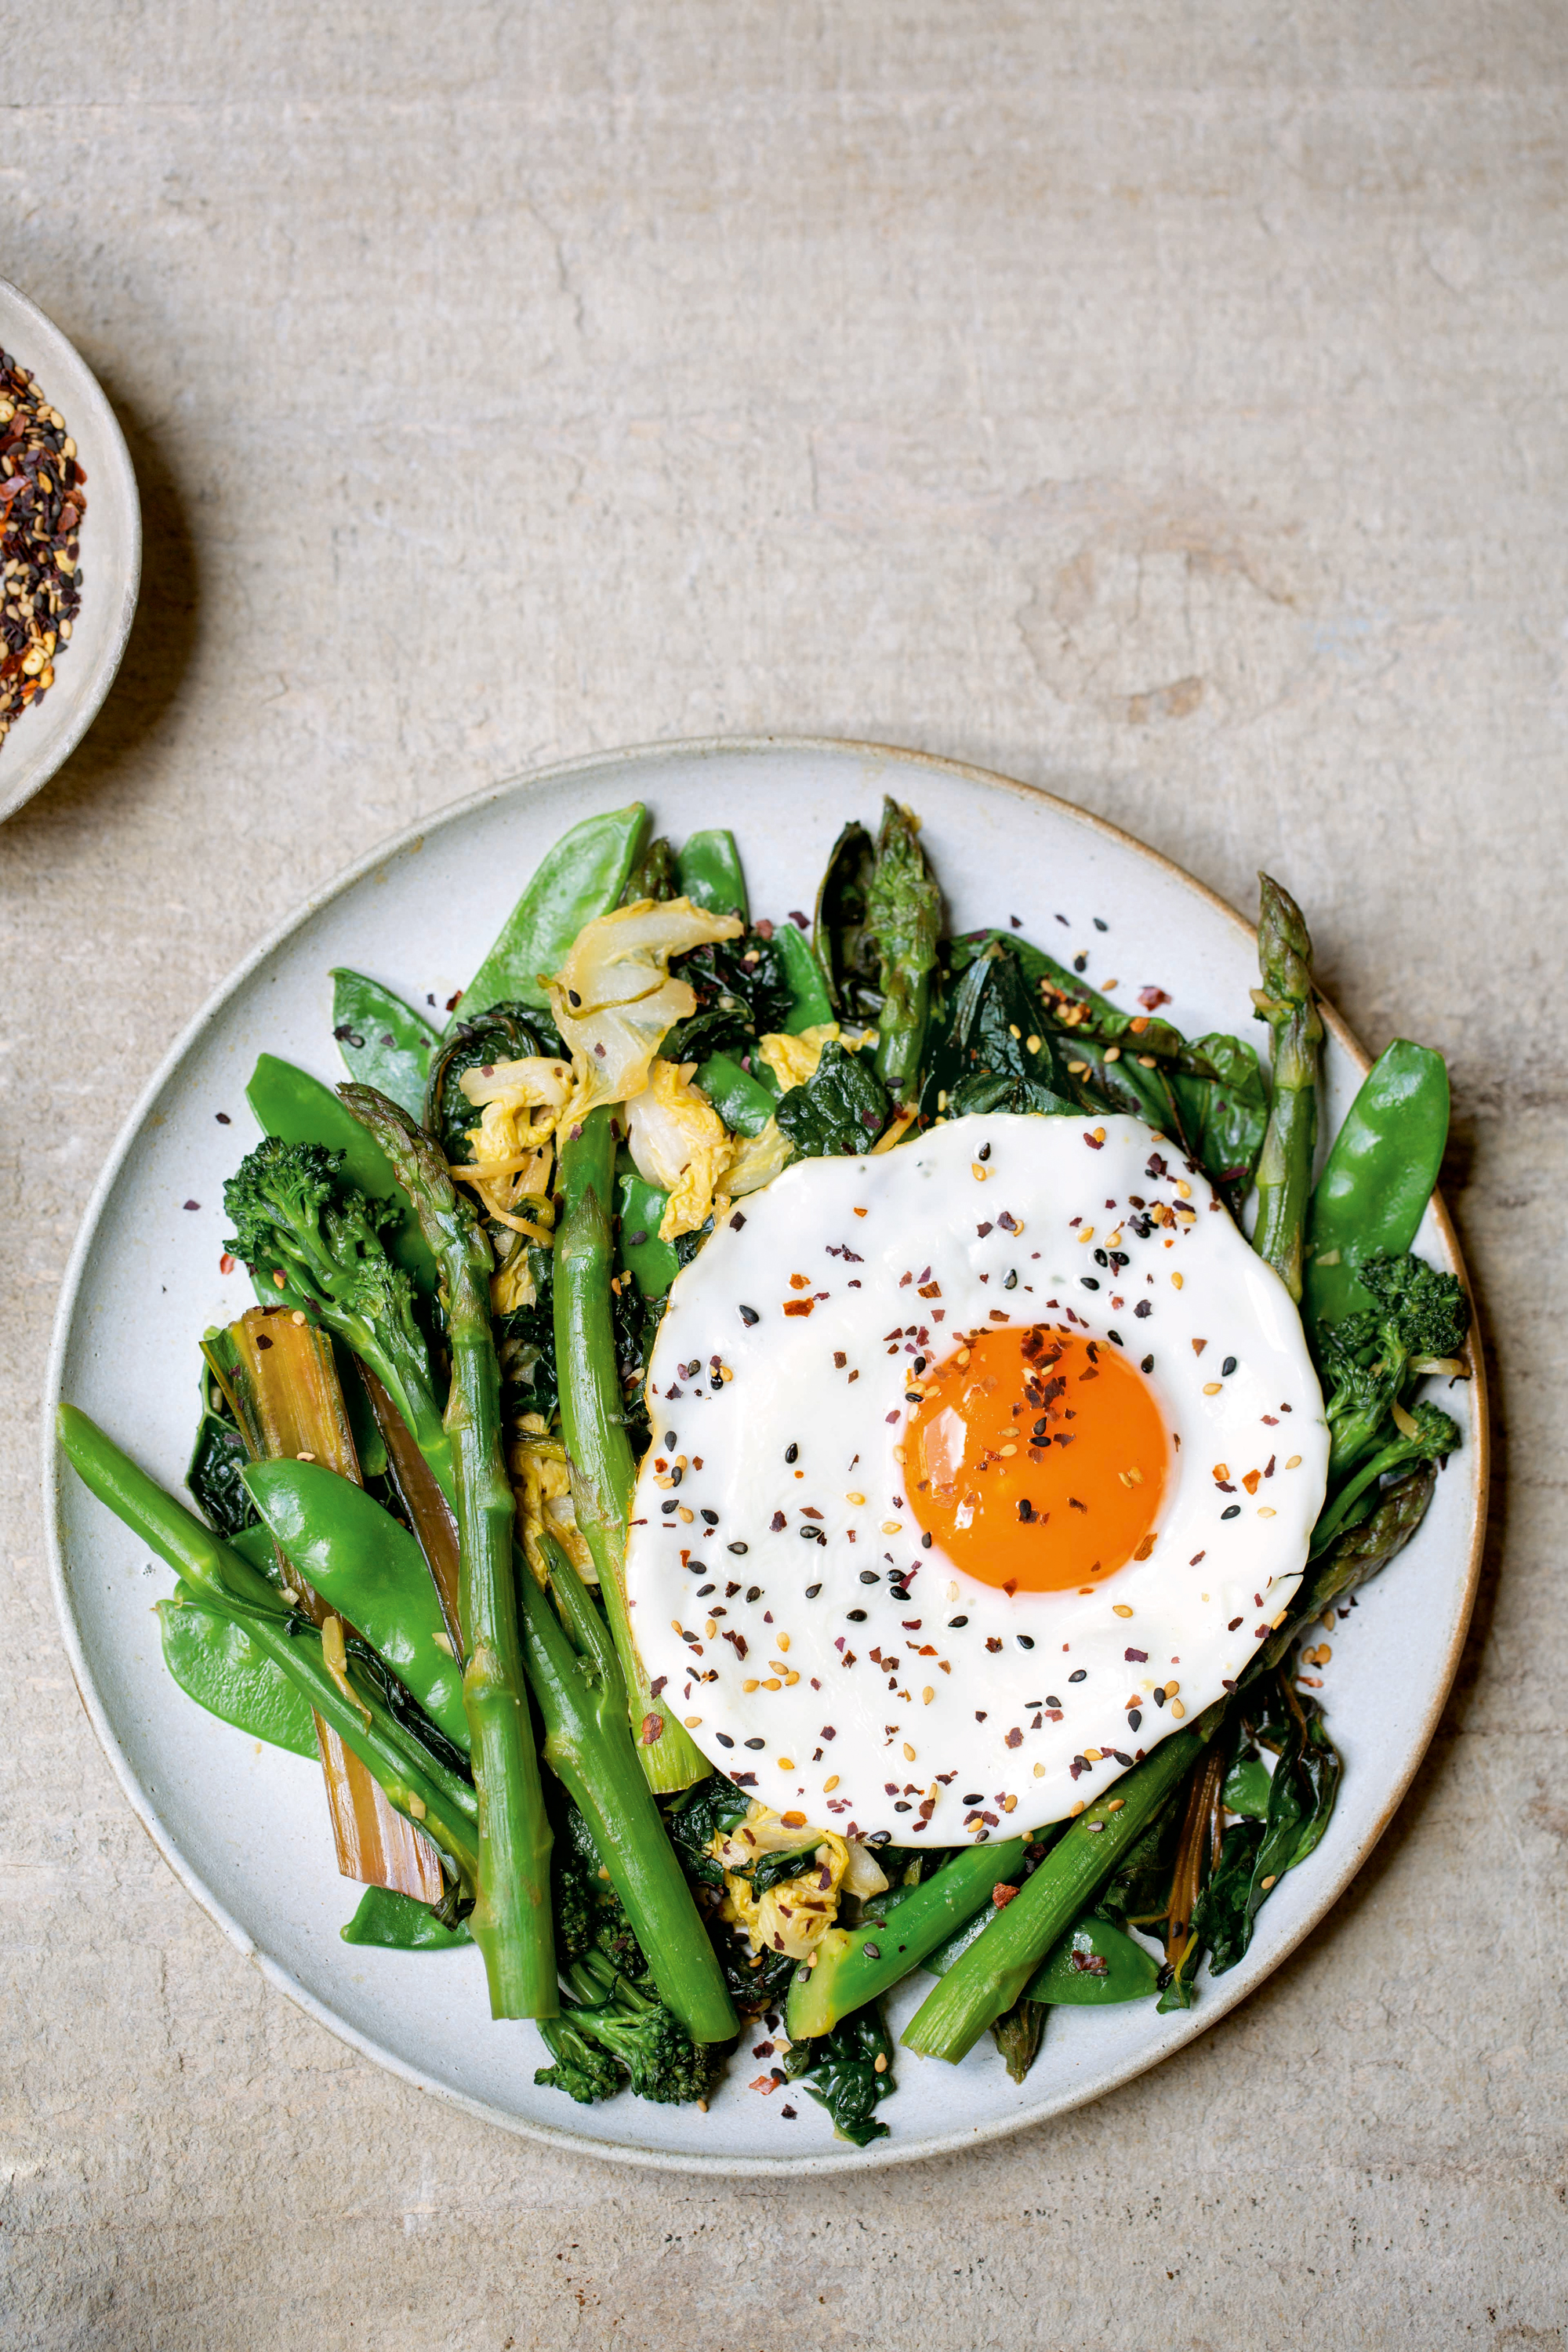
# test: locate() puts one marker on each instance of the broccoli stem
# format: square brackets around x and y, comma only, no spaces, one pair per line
[512,1921]
[593,1423]
[415,1785]
[903,915]
[1431,1436]
[853,1965]
[1287,1003]
[985,1980]
[582,1699]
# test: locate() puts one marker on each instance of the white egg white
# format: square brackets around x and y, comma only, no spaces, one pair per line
[782,1597]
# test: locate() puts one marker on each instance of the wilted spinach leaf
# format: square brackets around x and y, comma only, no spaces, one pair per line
[840,2070]
[841,1109]
[743,993]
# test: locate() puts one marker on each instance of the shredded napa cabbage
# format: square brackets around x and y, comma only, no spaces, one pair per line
[680,1143]
[614,999]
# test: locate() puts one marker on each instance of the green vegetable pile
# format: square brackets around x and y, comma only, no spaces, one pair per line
[415,1462]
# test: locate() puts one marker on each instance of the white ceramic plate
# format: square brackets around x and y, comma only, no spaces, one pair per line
[244,1826]
[46,734]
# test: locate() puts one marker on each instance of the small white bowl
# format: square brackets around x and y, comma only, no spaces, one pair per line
[46,733]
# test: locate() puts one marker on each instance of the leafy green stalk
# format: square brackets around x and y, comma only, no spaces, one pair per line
[319,1242]
[227,1586]
[1286,1001]
[576,1680]
[511,1919]
[983,1984]
[594,1427]
[903,916]
[1430,1437]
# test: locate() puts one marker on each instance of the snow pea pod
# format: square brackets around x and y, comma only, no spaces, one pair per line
[639,1208]
[810,1005]
[711,875]
[581,877]
[743,1103]
[367,1567]
[297,1108]
[397,1923]
[1378,1177]
[383,1042]
[1093,1965]
[215,1661]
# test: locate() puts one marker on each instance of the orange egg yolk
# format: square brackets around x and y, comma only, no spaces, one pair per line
[1036,1459]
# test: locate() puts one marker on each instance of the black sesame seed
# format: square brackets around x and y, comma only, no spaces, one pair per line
[791,1454]
[1051,1701]
[1025,1641]
[855,1616]
[926,1541]
[1134,1717]
[724,1738]
[711,1518]
[903,1806]
[869,1576]
[756,1743]
[1100,926]
[984,1153]
[976,1799]
[635,1241]
[1078,1674]
[1226,1368]
[1116,1338]
[1231,1511]
[872,1951]
[669,1437]
[812,1591]
[739,1549]
[1147,1365]
[954,1622]
[1088,1282]
[749,1315]
[753,1591]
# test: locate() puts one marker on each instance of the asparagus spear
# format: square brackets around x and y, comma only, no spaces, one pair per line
[986,1980]
[576,1680]
[593,1423]
[853,1965]
[1288,1004]
[441,1804]
[903,915]
[512,1919]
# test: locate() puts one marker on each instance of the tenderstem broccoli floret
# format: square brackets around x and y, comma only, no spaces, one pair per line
[1419,1319]
[635,2028]
[294,1217]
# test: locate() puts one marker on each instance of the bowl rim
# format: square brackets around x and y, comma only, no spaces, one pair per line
[89,689]
[1218,2002]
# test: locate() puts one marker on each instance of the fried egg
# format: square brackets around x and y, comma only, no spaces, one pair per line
[978,1466]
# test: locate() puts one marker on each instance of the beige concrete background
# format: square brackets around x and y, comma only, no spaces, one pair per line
[1167,403]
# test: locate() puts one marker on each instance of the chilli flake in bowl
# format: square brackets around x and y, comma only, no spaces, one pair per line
[42,502]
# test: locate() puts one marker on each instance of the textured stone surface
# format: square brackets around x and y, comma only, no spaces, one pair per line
[1162,402]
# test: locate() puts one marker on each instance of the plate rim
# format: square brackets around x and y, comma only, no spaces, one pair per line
[94,691]
[1218,2003]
